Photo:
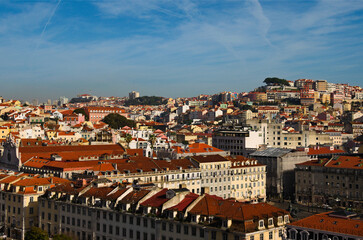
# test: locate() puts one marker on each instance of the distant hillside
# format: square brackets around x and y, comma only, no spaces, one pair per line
[146,100]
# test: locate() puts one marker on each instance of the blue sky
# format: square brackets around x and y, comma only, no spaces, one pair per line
[174,48]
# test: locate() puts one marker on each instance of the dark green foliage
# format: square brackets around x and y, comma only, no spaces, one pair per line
[260,89]
[61,237]
[291,101]
[36,234]
[275,80]
[146,100]
[117,121]
[81,111]
[5,116]
[246,107]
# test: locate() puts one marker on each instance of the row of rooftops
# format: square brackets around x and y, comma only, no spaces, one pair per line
[342,222]
[22,183]
[341,162]
[161,202]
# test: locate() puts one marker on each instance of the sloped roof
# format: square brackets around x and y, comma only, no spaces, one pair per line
[330,223]
[271,152]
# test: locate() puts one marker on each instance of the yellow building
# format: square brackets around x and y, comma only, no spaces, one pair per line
[19,201]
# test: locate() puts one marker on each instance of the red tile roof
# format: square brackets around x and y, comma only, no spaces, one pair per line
[156,200]
[327,222]
[182,205]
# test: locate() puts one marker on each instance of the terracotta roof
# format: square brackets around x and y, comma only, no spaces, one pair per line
[156,200]
[196,148]
[352,162]
[327,222]
[182,205]
[135,196]
[210,158]
[68,152]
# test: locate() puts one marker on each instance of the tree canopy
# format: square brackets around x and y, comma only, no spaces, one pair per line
[117,121]
[275,80]
[36,233]
[82,111]
[146,100]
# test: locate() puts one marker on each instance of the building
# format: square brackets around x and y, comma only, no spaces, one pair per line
[239,178]
[19,201]
[321,85]
[133,95]
[238,140]
[103,211]
[337,181]
[196,149]
[330,225]
[280,164]
[307,96]
[15,154]
[96,114]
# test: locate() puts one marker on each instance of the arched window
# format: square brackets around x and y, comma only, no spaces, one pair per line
[304,235]
[292,234]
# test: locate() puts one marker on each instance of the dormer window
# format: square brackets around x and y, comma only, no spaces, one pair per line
[270,221]
[225,223]
[279,219]
[286,218]
[261,223]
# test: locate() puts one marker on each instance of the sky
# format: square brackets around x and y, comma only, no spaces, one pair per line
[178,48]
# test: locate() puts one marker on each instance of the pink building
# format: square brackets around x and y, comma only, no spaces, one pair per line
[96,114]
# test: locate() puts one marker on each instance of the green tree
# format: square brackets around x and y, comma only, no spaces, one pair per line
[61,237]
[5,116]
[128,138]
[36,234]
[275,80]
[152,140]
[82,111]
[116,121]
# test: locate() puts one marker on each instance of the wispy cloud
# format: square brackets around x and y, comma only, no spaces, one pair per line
[49,20]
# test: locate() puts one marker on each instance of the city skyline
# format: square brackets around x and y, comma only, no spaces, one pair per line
[184,49]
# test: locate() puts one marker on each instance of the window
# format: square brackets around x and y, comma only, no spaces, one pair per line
[214,235]
[194,231]
[270,235]
[261,236]
[186,230]
[292,234]
[304,236]
[261,224]
[201,232]
[270,221]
